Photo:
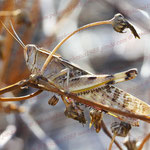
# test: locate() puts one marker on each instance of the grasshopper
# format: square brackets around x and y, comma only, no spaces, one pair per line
[70,78]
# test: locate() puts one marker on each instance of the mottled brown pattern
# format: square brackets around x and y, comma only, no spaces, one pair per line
[111,82]
[75,79]
[92,78]
[116,95]
[135,107]
[108,89]
[126,101]
[97,90]
[144,108]
[83,93]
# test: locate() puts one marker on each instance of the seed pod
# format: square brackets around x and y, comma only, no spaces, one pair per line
[120,128]
[53,100]
[119,23]
[96,117]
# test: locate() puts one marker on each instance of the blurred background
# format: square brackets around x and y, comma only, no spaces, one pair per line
[98,50]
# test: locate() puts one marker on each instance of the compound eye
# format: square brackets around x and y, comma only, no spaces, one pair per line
[120,16]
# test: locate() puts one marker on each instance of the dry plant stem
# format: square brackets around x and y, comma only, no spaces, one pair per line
[38,131]
[65,39]
[26,38]
[7,47]
[112,141]
[68,10]
[143,142]
[46,86]
[14,86]
[106,131]
[7,50]
[9,13]
[64,15]
[7,6]
[7,99]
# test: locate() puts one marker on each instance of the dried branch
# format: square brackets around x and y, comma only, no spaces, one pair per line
[14,86]
[68,10]
[7,99]
[47,86]
[10,13]
[112,141]
[106,131]
[44,85]
[65,39]
[64,15]
[7,6]
[143,142]
[118,22]
[7,48]
[7,135]
[11,108]
[38,131]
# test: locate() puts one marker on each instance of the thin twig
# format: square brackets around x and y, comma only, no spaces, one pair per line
[6,135]
[14,86]
[65,39]
[38,131]
[10,13]
[143,142]
[46,86]
[64,15]
[106,131]
[112,141]
[8,5]
[7,48]
[68,10]
[7,99]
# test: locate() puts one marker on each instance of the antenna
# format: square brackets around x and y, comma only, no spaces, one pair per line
[16,34]
[18,40]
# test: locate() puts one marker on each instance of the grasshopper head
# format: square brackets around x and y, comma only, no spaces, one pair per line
[29,53]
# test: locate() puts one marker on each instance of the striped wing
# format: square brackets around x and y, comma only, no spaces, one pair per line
[119,99]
